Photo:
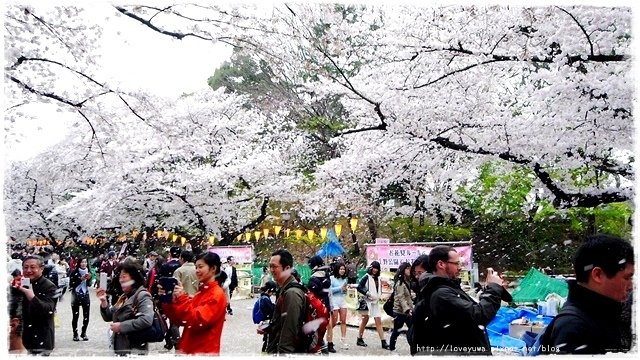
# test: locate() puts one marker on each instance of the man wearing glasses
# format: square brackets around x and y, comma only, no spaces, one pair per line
[284,328]
[455,322]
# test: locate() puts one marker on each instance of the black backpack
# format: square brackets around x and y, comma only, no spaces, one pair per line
[540,344]
[417,335]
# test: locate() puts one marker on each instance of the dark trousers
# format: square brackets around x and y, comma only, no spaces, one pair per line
[398,321]
[76,303]
[230,295]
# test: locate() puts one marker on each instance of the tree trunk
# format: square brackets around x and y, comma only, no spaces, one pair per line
[373,229]
[229,236]
[356,246]
[591,221]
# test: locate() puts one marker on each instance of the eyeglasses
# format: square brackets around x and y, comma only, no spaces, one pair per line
[454,263]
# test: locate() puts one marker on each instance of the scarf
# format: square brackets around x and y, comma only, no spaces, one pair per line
[82,288]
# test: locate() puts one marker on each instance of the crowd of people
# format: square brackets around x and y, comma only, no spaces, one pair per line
[442,318]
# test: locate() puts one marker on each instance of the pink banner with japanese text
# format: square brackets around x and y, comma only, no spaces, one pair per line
[241,254]
[390,256]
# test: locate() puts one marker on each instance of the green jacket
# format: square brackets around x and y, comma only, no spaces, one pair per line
[286,326]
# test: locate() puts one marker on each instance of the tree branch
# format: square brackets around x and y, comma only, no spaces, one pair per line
[229,237]
[580,26]
[562,199]
[148,23]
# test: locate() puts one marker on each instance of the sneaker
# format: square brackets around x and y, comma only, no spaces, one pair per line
[344,344]
[76,338]
[84,337]
[330,348]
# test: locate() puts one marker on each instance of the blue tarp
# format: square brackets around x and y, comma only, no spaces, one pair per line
[505,341]
[331,247]
[498,328]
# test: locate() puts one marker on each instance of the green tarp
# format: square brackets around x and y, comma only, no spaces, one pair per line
[536,286]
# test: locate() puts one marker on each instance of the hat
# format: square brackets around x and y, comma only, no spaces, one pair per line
[153,253]
[112,253]
[269,285]
[315,261]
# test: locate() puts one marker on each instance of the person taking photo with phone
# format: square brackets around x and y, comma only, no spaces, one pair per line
[38,307]
[203,315]
[132,311]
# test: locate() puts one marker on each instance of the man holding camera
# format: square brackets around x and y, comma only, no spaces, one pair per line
[455,323]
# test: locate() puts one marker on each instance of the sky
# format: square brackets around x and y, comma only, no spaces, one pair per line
[132,57]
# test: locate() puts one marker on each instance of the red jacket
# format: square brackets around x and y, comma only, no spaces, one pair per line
[202,318]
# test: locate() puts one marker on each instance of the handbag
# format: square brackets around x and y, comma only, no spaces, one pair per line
[388,305]
[362,305]
[154,333]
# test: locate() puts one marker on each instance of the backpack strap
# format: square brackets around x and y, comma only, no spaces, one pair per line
[300,336]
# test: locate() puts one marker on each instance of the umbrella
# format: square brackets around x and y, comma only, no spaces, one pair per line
[332,247]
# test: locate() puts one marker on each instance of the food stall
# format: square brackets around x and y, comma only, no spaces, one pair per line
[390,256]
[243,256]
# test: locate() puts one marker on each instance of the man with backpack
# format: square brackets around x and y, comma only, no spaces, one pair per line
[285,328]
[447,321]
[590,320]
[263,310]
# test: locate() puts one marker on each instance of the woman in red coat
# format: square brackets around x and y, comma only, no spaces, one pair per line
[203,315]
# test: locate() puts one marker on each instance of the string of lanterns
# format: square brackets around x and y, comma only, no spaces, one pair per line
[257,235]
[211,240]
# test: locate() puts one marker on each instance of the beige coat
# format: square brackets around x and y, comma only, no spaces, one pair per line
[187,276]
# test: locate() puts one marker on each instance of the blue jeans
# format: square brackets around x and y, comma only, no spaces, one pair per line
[398,321]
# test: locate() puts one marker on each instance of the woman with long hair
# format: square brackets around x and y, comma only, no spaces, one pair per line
[402,302]
[338,304]
[371,287]
[203,315]
[79,283]
[132,311]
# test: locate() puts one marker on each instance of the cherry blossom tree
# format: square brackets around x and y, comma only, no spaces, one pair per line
[425,96]
[542,87]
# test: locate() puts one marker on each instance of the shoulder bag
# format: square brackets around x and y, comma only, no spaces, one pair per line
[362,302]
[154,333]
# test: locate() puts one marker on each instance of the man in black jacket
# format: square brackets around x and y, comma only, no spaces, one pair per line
[455,322]
[38,307]
[590,321]
[166,270]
